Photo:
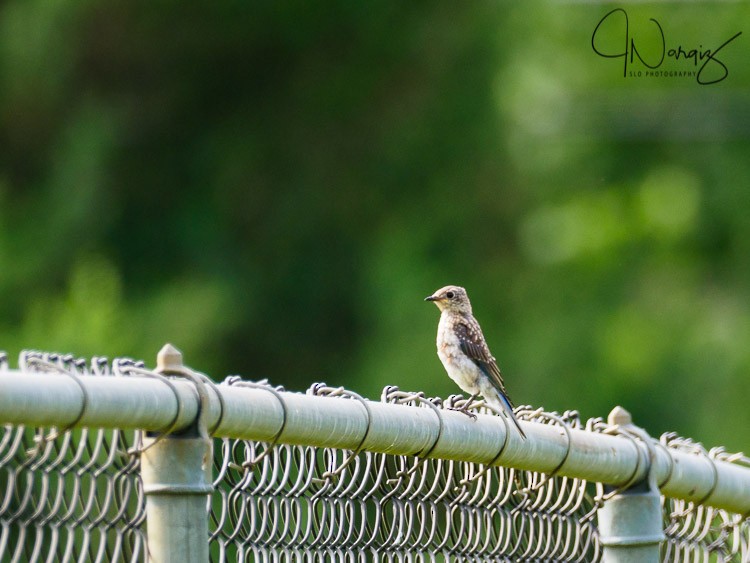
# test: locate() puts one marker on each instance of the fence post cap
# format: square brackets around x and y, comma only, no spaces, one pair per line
[169,360]
[619,416]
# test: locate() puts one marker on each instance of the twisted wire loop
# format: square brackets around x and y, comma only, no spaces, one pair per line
[72,494]
[69,494]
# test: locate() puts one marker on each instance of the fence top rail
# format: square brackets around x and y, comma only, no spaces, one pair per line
[69,394]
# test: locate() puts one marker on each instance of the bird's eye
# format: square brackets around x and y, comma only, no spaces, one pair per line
[450,295]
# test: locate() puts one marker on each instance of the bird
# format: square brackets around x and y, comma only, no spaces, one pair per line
[464,353]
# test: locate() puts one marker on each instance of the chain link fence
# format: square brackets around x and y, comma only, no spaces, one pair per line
[75,494]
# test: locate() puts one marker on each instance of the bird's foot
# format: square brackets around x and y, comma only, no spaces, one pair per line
[464,408]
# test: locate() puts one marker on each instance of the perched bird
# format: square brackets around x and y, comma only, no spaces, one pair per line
[464,353]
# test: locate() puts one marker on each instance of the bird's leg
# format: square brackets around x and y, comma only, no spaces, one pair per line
[465,408]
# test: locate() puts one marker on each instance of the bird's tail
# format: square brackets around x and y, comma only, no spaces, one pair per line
[505,405]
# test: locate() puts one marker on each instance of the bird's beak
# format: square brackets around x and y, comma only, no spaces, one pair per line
[431,298]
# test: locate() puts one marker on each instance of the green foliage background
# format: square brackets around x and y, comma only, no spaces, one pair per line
[274,187]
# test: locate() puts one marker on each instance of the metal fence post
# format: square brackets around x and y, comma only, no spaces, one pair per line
[630,522]
[176,473]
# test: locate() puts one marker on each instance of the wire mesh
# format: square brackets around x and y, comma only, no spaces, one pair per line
[702,533]
[298,503]
[69,495]
[76,495]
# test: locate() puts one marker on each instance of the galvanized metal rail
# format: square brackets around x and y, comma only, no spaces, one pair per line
[263,414]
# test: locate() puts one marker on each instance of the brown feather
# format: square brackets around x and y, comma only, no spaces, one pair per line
[474,346]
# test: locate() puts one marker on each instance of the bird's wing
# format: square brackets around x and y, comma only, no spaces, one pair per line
[473,345]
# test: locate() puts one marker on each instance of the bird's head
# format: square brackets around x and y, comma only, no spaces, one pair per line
[451,298]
